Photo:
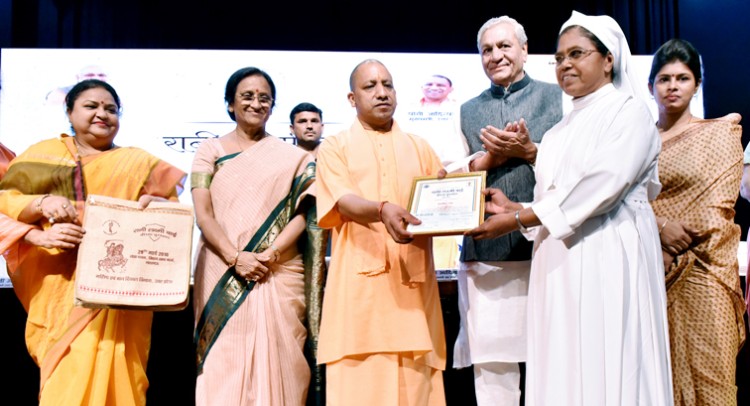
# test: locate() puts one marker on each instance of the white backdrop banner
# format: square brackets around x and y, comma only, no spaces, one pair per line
[173,99]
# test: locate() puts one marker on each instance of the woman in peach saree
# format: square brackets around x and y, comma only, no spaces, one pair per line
[249,190]
[700,167]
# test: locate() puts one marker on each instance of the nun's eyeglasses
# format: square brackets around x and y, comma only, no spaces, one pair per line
[574,55]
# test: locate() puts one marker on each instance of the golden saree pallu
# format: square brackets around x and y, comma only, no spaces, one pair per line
[134,258]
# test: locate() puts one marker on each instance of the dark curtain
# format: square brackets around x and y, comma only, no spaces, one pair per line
[647,24]
[75,24]
[335,25]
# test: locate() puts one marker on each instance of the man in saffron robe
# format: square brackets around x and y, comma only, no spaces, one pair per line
[381,335]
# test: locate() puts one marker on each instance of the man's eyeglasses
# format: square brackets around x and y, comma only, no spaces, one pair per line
[264,99]
[574,55]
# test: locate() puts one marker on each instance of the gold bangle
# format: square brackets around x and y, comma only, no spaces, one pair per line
[39,203]
[236,258]
[276,252]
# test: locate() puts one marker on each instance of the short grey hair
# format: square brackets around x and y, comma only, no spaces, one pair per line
[520,32]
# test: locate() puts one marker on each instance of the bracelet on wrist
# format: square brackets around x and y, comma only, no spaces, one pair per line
[236,258]
[380,210]
[39,203]
[276,252]
[521,227]
[663,225]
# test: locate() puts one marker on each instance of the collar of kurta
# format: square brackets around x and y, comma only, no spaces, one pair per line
[500,92]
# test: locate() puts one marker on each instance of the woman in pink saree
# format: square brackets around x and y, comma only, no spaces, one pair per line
[249,192]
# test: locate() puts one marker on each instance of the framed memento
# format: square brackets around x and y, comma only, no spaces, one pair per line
[447,206]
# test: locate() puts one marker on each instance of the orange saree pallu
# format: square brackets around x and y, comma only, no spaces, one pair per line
[86,356]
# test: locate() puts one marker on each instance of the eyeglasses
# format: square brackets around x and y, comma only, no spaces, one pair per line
[264,99]
[573,55]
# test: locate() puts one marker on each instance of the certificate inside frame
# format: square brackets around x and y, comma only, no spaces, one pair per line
[448,206]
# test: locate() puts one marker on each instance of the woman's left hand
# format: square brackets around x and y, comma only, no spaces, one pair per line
[668,259]
[252,266]
[676,237]
[272,254]
[495,226]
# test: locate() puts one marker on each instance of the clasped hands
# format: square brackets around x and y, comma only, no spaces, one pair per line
[676,238]
[513,141]
[65,231]
[253,266]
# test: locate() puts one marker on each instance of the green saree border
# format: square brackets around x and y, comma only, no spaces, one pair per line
[231,290]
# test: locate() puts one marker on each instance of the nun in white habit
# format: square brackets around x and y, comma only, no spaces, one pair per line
[597,324]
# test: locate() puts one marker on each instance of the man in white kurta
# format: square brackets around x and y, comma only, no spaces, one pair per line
[494,274]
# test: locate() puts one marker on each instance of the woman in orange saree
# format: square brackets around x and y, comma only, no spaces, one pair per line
[86,356]
[9,228]
[249,193]
[700,167]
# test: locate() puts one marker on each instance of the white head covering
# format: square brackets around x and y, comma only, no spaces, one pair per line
[610,34]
